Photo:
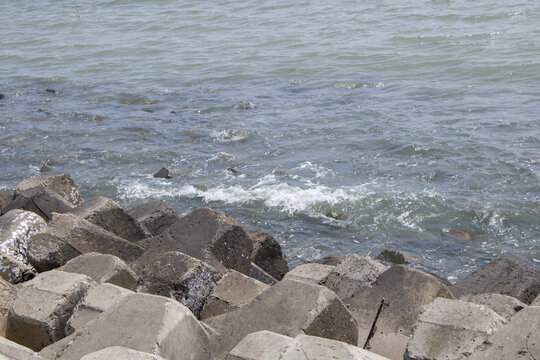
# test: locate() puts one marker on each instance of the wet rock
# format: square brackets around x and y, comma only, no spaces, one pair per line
[405,291]
[58,183]
[7,296]
[353,273]
[110,216]
[259,274]
[141,322]
[208,235]
[268,345]
[47,251]
[451,329]
[86,237]
[4,201]
[103,268]
[164,173]
[392,257]
[311,272]
[53,91]
[45,168]
[177,275]
[504,305]
[2,96]
[14,271]
[289,308]
[40,200]
[16,228]
[234,291]
[43,306]
[98,299]
[267,254]
[519,339]
[154,217]
[118,352]
[504,276]
[10,350]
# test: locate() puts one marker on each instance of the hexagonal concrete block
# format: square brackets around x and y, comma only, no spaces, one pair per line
[43,306]
[109,215]
[289,308]
[62,184]
[451,329]
[266,345]
[103,268]
[141,322]
[233,291]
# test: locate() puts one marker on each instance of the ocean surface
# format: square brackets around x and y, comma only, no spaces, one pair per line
[337,126]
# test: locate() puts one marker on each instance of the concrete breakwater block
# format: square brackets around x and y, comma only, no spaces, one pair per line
[259,274]
[10,350]
[289,308]
[86,237]
[141,322]
[109,215]
[40,200]
[97,300]
[7,297]
[266,345]
[502,276]
[179,276]
[42,307]
[4,201]
[518,339]
[310,272]
[234,291]
[353,273]
[119,353]
[154,217]
[267,254]
[405,291]
[103,268]
[14,271]
[451,329]
[62,184]
[504,305]
[16,228]
[210,236]
[47,251]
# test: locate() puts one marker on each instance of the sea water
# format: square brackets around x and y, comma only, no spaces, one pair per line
[337,126]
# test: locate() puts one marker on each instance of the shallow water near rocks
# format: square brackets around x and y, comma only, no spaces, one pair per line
[339,127]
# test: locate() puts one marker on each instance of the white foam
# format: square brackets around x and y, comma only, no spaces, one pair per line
[227,135]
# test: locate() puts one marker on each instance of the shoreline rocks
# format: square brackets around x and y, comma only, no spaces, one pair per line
[90,280]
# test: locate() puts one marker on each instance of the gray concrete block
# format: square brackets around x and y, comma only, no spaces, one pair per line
[504,305]
[120,353]
[504,276]
[154,217]
[42,307]
[109,215]
[103,268]
[289,308]
[210,236]
[98,299]
[451,329]
[141,322]
[352,273]
[233,291]
[311,272]
[62,184]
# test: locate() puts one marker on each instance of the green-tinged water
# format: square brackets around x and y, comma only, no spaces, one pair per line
[351,126]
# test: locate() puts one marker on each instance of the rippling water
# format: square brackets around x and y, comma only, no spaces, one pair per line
[338,127]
